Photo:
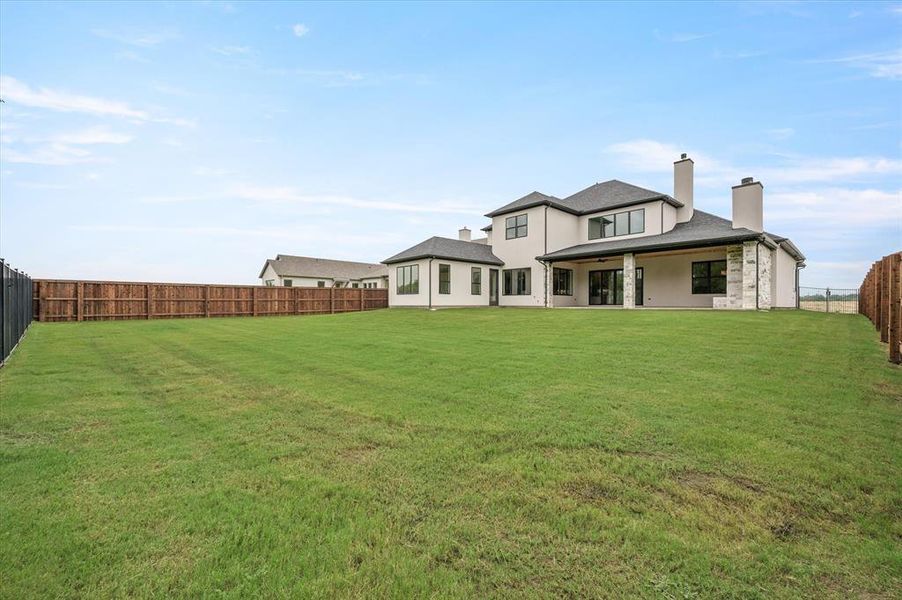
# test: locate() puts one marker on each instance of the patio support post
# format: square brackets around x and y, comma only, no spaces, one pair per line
[629,280]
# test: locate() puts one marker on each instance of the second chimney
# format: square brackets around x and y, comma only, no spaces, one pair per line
[683,174]
[463,235]
[748,205]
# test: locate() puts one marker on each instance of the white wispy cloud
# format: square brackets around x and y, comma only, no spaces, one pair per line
[94,135]
[681,37]
[781,133]
[14,91]
[880,65]
[135,37]
[231,50]
[210,172]
[835,207]
[59,149]
[289,197]
[652,156]
[300,30]
[51,154]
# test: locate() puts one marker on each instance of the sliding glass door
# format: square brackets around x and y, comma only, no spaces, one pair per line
[606,287]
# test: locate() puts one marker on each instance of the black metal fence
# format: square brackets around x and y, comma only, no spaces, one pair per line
[832,300]
[15,308]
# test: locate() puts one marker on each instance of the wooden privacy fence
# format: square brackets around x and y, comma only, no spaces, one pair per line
[880,300]
[67,300]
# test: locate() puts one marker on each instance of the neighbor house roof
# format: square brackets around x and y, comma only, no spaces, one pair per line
[449,249]
[595,198]
[703,229]
[286,265]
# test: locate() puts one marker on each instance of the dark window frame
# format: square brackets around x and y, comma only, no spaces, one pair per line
[444,279]
[287,283]
[519,229]
[476,281]
[407,281]
[517,282]
[611,220]
[704,284]
[562,281]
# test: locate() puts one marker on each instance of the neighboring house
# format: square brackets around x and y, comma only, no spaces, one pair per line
[304,271]
[612,244]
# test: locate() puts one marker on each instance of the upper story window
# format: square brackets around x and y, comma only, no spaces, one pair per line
[515,227]
[409,279]
[287,282]
[444,279]
[623,223]
[320,284]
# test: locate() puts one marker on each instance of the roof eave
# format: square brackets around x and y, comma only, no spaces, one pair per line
[393,260]
[651,248]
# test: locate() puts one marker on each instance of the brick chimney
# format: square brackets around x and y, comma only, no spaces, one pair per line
[683,175]
[463,234]
[748,205]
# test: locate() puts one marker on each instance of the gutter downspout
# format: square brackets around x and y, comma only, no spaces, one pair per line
[430,283]
[799,267]
[545,264]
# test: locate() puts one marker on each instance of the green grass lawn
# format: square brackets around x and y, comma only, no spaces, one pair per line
[457,453]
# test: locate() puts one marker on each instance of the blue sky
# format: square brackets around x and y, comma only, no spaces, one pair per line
[189,142]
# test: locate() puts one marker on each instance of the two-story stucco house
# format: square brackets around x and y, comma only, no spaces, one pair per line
[611,244]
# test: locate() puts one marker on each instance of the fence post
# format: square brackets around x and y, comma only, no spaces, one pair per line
[79,300]
[332,299]
[297,301]
[254,301]
[148,298]
[206,301]
[827,296]
[895,307]
[361,299]
[42,303]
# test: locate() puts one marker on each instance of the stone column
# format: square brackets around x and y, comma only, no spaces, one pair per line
[629,280]
[765,276]
[749,275]
[734,277]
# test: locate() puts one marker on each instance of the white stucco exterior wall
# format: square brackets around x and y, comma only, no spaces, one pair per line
[460,285]
[784,293]
[521,253]
[419,299]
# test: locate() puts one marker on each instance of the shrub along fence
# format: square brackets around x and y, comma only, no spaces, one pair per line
[15,308]
[67,300]
[881,301]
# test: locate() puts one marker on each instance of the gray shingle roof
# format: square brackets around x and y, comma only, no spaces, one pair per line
[440,247]
[286,265]
[598,197]
[528,201]
[612,194]
[703,229]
